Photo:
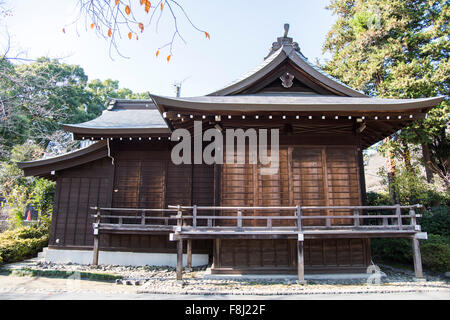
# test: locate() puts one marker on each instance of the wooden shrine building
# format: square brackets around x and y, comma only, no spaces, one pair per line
[122,200]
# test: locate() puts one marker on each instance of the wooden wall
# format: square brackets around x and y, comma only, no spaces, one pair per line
[138,179]
[266,256]
[307,176]
[78,189]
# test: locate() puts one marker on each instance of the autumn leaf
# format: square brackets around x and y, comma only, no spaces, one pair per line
[207,35]
[127,10]
[130,35]
[157,52]
[168,57]
[64,30]
[147,6]
[142,2]
[161,9]
[109,32]
[92,25]
[117,2]
[141,26]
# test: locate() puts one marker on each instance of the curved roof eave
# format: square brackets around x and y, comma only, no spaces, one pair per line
[244,103]
[43,167]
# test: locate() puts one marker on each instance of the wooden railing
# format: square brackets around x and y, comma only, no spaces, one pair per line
[188,225]
[140,215]
[188,218]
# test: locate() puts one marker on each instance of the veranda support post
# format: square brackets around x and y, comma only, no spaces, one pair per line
[96,238]
[189,255]
[417,258]
[300,257]
[300,260]
[180,259]
[179,246]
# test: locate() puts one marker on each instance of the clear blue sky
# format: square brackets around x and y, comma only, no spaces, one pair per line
[241,34]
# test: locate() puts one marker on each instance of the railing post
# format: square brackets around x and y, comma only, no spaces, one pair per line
[298,211]
[143,217]
[96,237]
[179,216]
[398,212]
[239,218]
[356,217]
[194,216]
[269,223]
[412,213]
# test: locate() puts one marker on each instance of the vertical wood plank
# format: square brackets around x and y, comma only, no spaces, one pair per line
[290,177]
[255,174]
[325,183]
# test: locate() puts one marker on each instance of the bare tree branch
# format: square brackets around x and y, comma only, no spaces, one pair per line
[112,18]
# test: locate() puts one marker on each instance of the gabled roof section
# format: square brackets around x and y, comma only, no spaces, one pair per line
[283,51]
[123,117]
[44,167]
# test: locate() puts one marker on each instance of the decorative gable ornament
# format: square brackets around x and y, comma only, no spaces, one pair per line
[287,80]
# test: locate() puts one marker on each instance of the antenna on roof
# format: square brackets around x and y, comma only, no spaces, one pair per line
[177,86]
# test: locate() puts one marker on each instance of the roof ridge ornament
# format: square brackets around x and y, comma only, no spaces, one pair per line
[283,41]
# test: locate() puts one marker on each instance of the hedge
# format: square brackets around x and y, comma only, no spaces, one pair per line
[22,243]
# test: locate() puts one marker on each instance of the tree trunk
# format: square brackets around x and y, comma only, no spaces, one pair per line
[390,163]
[426,162]
[407,156]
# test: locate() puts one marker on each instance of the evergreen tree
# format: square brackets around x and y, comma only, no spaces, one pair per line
[398,49]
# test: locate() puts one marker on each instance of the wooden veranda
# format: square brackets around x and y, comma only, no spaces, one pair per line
[187,223]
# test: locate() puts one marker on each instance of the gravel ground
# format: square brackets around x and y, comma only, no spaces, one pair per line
[162,280]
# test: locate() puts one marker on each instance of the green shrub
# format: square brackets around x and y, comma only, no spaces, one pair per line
[22,243]
[435,251]
[392,249]
[378,199]
[436,221]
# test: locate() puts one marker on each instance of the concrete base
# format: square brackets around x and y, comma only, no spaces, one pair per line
[121,258]
[334,276]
